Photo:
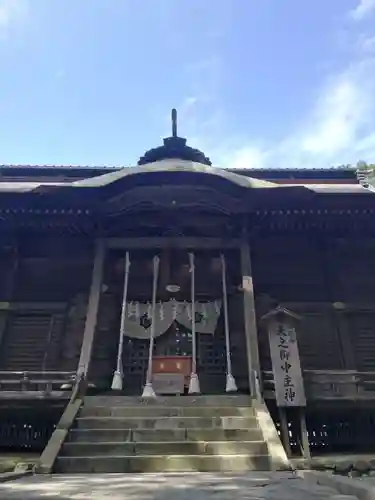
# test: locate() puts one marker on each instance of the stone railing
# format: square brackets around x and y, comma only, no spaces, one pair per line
[43,383]
[329,385]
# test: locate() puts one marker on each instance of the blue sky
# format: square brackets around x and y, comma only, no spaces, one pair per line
[257,83]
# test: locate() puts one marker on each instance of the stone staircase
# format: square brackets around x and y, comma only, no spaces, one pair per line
[201,433]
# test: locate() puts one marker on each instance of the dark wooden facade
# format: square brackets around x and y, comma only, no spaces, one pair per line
[306,244]
[311,250]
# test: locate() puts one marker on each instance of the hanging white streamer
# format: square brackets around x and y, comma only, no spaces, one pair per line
[174,309]
[161,311]
[206,317]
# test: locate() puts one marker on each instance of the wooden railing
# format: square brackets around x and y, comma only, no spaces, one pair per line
[41,383]
[329,385]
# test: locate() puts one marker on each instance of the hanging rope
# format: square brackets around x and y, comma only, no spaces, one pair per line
[148,391]
[230,382]
[194,380]
[117,376]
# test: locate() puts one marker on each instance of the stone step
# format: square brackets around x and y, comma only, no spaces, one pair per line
[166,411]
[141,435]
[164,448]
[166,423]
[176,401]
[163,463]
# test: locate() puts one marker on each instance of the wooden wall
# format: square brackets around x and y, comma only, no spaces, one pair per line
[331,283]
[47,285]
[353,283]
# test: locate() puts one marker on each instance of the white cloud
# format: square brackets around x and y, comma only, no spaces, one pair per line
[247,157]
[341,112]
[337,115]
[60,74]
[363,9]
[367,44]
[11,11]
[338,129]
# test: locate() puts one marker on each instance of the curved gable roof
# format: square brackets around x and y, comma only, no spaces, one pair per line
[174,166]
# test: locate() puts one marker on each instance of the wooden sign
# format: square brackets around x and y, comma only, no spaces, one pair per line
[286,365]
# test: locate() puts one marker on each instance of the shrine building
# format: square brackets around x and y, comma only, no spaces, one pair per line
[176,277]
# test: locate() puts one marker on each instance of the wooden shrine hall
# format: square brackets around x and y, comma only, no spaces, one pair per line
[178,277]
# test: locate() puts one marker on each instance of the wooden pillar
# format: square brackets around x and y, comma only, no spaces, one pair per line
[284,427]
[92,308]
[304,434]
[10,282]
[251,332]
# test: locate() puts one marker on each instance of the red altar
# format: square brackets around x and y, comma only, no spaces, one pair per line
[173,365]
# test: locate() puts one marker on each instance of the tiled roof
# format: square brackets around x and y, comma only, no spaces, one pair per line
[107,177]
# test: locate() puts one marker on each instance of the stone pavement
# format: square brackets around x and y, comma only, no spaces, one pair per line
[179,486]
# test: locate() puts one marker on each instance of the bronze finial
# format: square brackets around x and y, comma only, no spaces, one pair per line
[174,147]
[174,122]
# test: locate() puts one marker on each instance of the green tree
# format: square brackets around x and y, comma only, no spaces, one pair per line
[366,171]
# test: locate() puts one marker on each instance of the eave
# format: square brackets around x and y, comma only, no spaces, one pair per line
[99,196]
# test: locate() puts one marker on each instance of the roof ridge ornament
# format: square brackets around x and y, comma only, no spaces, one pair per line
[174,148]
[174,122]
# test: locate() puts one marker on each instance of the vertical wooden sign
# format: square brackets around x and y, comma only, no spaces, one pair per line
[287,373]
[286,365]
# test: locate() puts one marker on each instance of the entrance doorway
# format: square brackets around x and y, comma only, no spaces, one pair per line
[173,335]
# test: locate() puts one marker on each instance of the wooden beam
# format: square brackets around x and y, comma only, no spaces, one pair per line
[92,308]
[31,395]
[174,242]
[342,307]
[33,306]
[251,332]
[180,219]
